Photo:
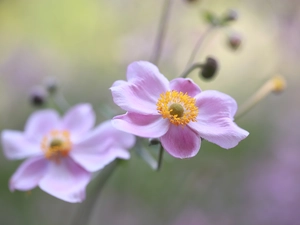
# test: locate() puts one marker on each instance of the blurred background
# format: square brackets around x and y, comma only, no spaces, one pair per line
[87,44]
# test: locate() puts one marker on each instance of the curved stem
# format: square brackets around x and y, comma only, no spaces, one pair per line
[86,209]
[161,33]
[275,84]
[253,100]
[199,44]
[58,102]
[61,101]
[189,70]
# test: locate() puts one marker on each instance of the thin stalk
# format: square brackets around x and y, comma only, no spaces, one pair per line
[160,157]
[199,44]
[190,69]
[60,101]
[275,84]
[86,209]
[161,33]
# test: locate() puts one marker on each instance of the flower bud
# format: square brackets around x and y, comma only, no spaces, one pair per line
[234,41]
[230,15]
[51,84]
[38,96]
[154,141]
[279,84]
[190,1]
[209,68]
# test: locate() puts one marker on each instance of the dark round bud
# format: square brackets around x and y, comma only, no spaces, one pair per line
[231,15]
[38,96]
[154,141]
[234,41]
[209,68]
[51,84]
[191,1]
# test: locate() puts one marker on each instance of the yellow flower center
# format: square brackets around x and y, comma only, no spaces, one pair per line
[56,144]
[178,107]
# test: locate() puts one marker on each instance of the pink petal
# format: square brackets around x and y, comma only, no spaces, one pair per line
[185,85]
[148,126]
[142,91]
[65,180]
[181,142]
[17,146]
[93,157]
[101,146]
[215,119]
[79,119]
[120,153]
[40,123]
[139,69]
[28,175]
[105,131]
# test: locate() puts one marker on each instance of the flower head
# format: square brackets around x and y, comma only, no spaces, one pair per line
[177,112]
[62,152]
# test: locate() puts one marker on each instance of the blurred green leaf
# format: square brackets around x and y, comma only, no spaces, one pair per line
[210,18]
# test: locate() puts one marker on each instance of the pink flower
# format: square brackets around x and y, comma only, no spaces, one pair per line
[177,112]
[62,152]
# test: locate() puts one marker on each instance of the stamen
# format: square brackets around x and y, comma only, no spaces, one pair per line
[178,107]
[56,144]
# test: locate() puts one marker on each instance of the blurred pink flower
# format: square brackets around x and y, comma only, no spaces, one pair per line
[177,112]
[194,216]
[272,183]
[62,152]
[191,216]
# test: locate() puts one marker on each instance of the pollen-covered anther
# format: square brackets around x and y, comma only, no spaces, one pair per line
[56,144]
[178,107]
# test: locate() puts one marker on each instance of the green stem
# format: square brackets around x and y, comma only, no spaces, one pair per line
[60,101]
[161,33]
[85,210]
[275,84]
[160,157]
[190,69]
[198,45]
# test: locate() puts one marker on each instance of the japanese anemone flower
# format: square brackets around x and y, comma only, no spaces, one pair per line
[62,152]
[177,112]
